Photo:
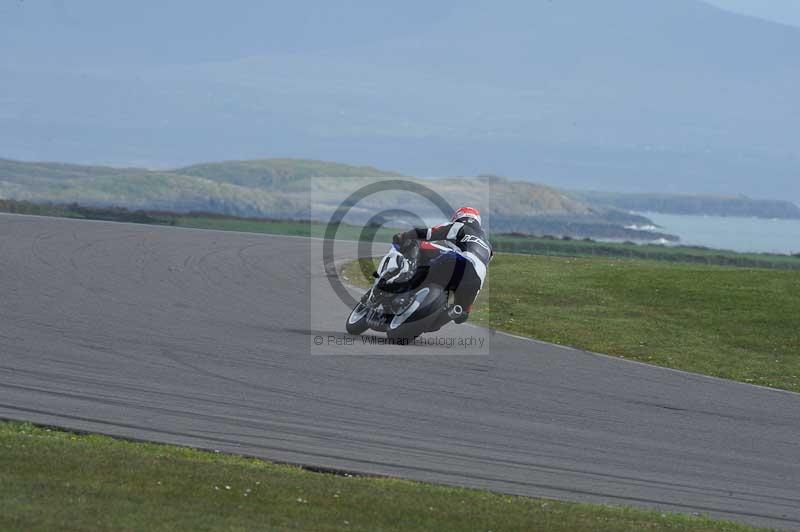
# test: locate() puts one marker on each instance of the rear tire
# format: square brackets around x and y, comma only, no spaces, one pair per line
[405,334]
[410,330]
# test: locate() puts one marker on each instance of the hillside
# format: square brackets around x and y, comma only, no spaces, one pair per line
[24,172]
[740,206]
[270,173]
[302,189]
[243,188]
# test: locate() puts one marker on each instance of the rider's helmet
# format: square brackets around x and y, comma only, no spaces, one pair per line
[466,215]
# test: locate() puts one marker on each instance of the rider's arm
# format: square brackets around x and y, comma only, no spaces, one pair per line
[440,232]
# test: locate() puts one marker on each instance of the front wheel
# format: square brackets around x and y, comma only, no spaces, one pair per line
[357,321]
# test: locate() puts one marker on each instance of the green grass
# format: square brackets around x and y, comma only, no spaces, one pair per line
[735,323]
[54,480]
[533,245]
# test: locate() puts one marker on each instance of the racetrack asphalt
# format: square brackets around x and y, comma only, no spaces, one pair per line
[203,338]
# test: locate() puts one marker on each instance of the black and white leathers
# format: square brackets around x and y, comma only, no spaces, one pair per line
[468,240]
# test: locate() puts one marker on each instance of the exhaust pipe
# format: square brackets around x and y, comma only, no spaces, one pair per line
[455,312]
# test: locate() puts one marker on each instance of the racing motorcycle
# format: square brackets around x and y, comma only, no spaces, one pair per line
[404,314]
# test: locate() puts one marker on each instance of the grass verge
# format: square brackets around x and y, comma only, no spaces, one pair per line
[54,480]
[735,323]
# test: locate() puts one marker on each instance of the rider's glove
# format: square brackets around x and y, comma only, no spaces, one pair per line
[404,241]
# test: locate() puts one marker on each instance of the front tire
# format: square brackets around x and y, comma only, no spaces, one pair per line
[357,320]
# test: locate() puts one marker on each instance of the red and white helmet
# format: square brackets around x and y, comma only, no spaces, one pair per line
[469,213]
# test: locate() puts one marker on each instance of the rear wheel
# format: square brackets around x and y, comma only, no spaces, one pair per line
[420,321]
[404,335]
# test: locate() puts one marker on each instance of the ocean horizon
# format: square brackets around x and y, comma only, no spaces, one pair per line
[760,235]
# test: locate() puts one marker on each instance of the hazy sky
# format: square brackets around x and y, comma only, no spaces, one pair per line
[785,11]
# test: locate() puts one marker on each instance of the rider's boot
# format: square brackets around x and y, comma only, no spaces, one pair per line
[457,313]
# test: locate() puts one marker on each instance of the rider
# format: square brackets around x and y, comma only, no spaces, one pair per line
[464,260]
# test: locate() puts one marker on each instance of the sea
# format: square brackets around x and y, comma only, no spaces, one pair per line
[738,234]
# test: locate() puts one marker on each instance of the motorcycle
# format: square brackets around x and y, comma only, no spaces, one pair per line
[403,314]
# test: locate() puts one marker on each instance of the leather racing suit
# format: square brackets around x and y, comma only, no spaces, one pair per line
[457,254]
